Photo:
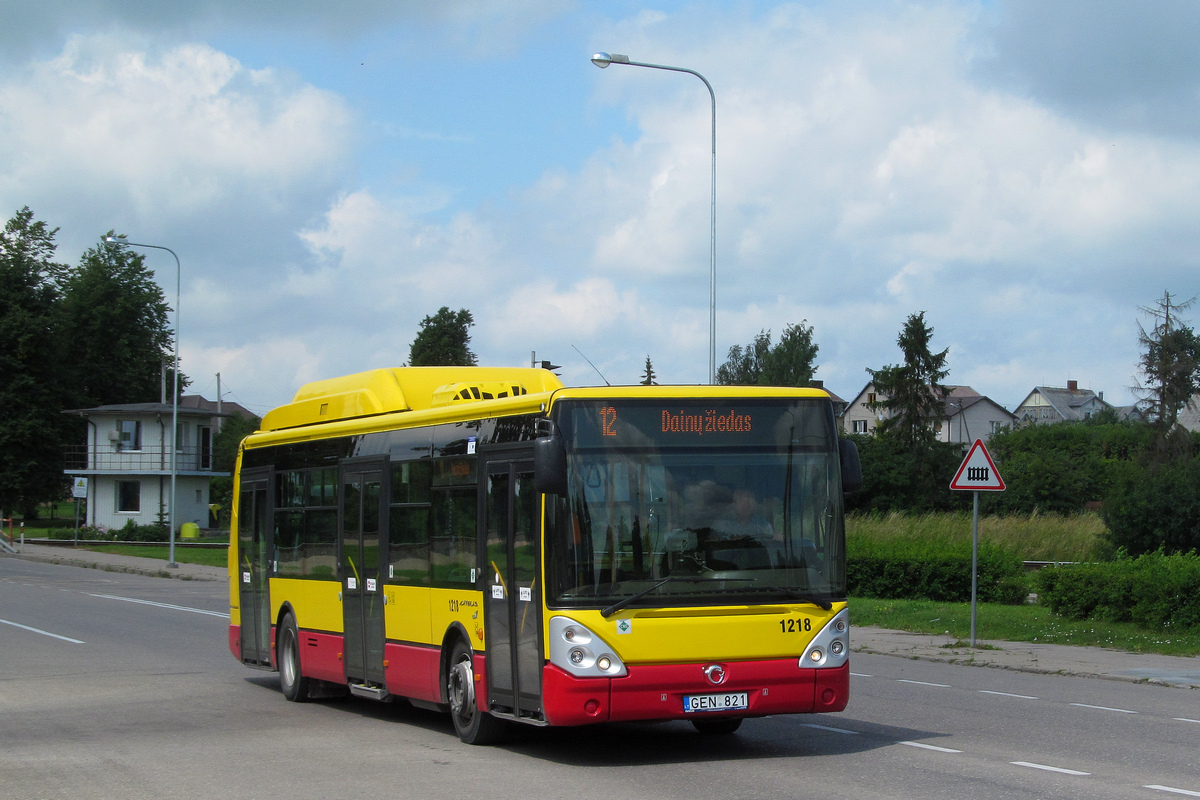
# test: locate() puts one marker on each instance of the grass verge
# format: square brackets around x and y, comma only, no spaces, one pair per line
[1017,624]
[211,557]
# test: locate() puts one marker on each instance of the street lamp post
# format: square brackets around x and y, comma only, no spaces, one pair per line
[602,60]
[174,396]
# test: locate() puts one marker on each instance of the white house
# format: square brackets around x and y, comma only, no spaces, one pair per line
[1049,404]
[967,415]
[127,461]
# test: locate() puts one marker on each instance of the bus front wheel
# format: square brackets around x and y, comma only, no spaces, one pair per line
[472,725]
[287,646]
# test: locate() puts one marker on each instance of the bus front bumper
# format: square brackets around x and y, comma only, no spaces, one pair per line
[652,692]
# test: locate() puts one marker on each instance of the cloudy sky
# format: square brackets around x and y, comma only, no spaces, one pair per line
[1026,173]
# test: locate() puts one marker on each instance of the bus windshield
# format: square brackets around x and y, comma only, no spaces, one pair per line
[696,502]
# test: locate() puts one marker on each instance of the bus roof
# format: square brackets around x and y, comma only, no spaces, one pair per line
[386,391]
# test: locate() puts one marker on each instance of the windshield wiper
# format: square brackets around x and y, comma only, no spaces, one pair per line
[624,602]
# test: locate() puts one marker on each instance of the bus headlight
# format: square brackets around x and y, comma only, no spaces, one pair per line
[573,647]
[830,648]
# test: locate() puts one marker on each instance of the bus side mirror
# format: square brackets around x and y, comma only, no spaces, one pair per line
[852,475]
[550,464]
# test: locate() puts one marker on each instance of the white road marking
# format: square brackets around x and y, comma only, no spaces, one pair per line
[930,747]
[861,675]
[1185,719]
[924,683]
[1172,789]
[161,605]
[42,632]
[1049,768]
[1104,708]
[828,728]
[1009,694]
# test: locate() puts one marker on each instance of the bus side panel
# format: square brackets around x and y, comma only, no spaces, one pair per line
[406,615]
[321,656]
[413,671]
[235,641]
[655,691]
[317,604]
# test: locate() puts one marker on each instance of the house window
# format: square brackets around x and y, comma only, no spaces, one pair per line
[996,426]
[860,426]
[870,398]
[131,434]
[129,496]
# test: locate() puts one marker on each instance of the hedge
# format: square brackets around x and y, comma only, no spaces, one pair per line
[1154,590]
[905,570]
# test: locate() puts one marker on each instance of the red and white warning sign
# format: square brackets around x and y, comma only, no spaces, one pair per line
[978,472]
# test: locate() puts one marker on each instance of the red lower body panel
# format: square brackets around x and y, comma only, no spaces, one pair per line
[321,656]
[655,691]
[413,671]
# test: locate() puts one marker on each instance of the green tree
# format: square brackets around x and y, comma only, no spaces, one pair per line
[443,340]
[224,458]
[1170,365]
[32,383]
[789,363]
[648,377]
[115,324]
[913,393]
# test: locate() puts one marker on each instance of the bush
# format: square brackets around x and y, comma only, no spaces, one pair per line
[923,570]
[141,533]
[1158,507]
[1154,591]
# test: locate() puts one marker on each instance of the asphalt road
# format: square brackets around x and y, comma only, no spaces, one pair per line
[121,686]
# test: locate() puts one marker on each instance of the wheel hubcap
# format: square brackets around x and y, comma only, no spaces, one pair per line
[462,689]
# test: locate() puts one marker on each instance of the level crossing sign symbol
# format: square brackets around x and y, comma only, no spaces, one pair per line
[978,472]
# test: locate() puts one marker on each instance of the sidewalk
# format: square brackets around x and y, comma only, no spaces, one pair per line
[1019,656]
[111,562]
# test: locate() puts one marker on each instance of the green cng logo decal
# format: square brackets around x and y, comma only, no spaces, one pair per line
[624,626]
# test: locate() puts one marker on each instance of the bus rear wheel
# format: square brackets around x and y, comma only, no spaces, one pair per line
[472,725]
[717,727]
[287,648]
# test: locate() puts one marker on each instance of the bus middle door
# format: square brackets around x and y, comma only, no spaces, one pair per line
[254,569]
[512,596]
[362,591]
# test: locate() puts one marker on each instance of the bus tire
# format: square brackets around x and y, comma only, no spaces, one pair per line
[287,649]
[717,727]
[472,725]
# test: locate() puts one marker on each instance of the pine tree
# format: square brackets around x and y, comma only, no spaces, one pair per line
[648,377]
[912,390]
[1170,365]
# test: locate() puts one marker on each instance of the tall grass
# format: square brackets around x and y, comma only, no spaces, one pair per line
[1035,537]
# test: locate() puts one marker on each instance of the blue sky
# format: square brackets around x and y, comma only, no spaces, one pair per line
[1028,174]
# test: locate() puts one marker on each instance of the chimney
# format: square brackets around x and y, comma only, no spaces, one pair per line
[1072,386]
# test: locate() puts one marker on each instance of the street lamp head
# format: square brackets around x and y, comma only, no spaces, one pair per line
[115,239]
[602,60]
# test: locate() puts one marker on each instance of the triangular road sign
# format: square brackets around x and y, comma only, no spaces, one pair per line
[978,472]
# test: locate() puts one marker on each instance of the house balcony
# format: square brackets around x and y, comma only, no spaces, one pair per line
[108,460]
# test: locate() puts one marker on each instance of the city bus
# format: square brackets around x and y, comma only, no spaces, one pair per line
[494,544]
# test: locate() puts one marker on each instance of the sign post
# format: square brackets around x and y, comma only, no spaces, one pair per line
[79,492]
[976,474]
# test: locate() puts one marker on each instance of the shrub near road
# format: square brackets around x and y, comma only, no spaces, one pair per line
[1156,591]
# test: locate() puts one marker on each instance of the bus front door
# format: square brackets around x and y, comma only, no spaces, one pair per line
[254,568]
[512,595]
[362,590]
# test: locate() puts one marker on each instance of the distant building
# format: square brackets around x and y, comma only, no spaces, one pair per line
[966,415]
[1050,404]
[127,461]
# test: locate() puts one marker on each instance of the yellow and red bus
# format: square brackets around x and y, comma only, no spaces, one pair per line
[490,542]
